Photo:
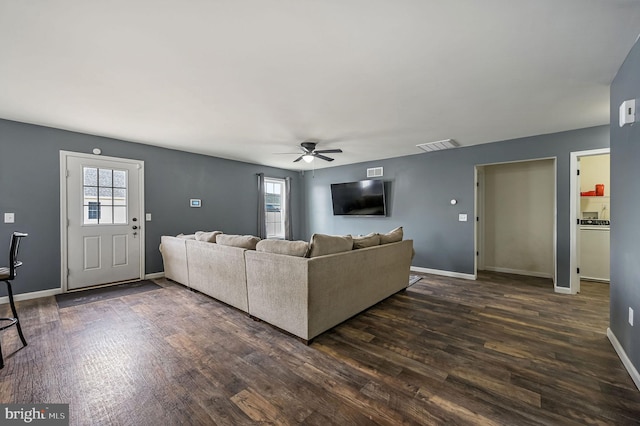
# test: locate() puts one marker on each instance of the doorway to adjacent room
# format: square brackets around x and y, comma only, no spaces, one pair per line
[516,218]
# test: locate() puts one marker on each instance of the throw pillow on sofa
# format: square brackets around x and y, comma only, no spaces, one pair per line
[209,237]
[322,244]
[364,241]
[187,236]
[243,241]
[289,248]
[392,236]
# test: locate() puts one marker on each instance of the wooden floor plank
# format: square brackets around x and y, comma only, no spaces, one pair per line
[504,349]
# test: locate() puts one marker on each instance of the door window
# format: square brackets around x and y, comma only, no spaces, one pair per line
[105,196]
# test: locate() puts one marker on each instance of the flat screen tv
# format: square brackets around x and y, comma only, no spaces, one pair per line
[364,198]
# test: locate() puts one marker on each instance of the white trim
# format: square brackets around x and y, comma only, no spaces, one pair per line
[63,220]
[519,272]
[444,273]
[631,369]
[574,277]
[594,279]
[154,276]
[478,228]
[555,223]
[562,290]
[32,295]
[64,214]
[526,160]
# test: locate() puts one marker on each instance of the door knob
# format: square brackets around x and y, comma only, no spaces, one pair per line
[134,227]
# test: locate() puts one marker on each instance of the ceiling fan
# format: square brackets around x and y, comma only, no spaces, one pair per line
[309,152]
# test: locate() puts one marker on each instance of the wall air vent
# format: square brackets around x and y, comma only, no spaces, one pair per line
[374,172]
[438,145]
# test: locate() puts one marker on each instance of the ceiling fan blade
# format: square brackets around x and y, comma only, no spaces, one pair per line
[322,156]
[298,159]
[328,151]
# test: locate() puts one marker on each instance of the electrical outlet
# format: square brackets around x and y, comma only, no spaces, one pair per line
[462,217]
[9,218]
[630,315]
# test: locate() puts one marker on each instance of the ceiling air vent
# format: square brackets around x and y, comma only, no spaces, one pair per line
[374,172]
[438,145]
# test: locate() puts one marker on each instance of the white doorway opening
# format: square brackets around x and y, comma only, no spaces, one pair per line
[574,214]
[516,218]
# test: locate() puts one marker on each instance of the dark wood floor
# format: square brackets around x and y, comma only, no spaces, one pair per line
[501,350]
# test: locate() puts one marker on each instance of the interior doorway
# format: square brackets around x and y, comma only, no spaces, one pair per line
[101,220]
[516,218]
[589,204]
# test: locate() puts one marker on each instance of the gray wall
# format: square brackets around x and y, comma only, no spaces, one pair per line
[625,205]
[422,185]
[29,187]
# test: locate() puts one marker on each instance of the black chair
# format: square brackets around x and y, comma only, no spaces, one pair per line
[7,275]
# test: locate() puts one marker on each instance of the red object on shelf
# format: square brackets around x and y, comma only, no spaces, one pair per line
[588,193]
[600,189]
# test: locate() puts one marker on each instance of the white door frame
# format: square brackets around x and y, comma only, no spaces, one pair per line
[478,251]
[478,235]
[64,214]
[574,209]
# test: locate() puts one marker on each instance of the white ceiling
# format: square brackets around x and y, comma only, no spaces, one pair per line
[248,79]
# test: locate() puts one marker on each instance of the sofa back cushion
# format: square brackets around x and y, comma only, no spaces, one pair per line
[209,237]
[365,241]
[322,244]
[243,241]
[289,248]
[187,236]
[392,236]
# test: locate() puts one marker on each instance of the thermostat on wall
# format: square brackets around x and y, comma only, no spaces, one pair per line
[627,112]
[194,202]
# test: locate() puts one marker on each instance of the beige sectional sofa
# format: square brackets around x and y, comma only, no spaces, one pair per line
[174,257]
[218,271]
[301,295]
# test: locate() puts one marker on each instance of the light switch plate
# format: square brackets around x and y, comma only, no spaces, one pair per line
[9,218]
[147,217]
[630,315]
[462,217]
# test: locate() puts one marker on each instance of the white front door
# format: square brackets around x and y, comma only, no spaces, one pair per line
[104,241]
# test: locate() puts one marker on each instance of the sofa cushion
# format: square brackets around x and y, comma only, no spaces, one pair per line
[187,236]
[209,237]
[289,248]
[392,236]
[322,244]
[243,241]
[364,241]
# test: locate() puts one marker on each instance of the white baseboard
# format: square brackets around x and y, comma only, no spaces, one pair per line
[599,280]
[631,369]
[32,295]
[518,272]
[443,273]
[154,276]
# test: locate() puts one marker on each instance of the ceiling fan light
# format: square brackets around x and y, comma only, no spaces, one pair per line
[307,158]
